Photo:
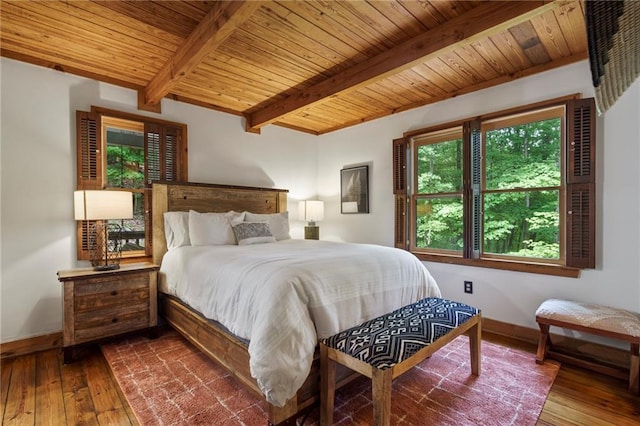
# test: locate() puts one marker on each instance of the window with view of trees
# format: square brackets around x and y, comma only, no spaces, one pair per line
[139,151]
[514,187]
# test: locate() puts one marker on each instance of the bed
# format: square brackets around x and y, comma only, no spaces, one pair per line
[283,367]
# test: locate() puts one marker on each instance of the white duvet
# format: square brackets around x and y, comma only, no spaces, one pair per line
[284,296]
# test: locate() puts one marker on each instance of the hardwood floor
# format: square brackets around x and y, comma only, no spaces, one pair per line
[38,389]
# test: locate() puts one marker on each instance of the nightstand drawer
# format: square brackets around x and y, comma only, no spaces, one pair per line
[101,293]
[91,325]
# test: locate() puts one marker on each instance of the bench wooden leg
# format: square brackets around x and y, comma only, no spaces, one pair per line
[543,343]
[327,386]
[634,369]
[475,339]
[381,392]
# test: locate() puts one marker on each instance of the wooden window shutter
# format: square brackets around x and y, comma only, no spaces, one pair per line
[90,174]
[581,115]
[165,161]
[400,192]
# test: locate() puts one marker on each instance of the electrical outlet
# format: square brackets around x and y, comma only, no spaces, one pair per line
[468,287]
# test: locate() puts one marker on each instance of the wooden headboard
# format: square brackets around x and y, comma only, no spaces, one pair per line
[205,198]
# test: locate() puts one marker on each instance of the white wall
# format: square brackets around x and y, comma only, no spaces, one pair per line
[38,176]
[503,295]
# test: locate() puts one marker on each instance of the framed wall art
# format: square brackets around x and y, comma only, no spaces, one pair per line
[354,190]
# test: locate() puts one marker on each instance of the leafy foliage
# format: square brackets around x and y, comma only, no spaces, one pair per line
[522,175]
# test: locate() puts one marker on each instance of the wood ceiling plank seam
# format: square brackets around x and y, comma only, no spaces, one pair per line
[88,59]
[52,16]
[314,122]
[138,10]
[393,86]
[267,82]
[551,35]
[421,75]
[343,107]
[367,98]
[345,33]
[451,9]
[325,117]
[249,98]
[307,29]
[425,12]
[510,49]
[188,9]
[279,60]
[571,20]
[157,37]
[302,46]
[494,56]
[420,85]
[446,77]
[258,45]
[481,21]
[456,69]
[476,63]
[376,21]
[217,99]
[238,66]
[432,81]
[221,82]
[437,75]
[341,14]
[527,38]
[400,17]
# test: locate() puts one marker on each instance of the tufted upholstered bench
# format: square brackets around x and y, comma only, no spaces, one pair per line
[593,319]
[386,347]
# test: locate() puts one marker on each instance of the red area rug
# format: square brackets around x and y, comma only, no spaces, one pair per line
[167,381]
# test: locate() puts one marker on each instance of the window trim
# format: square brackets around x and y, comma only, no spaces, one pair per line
[574,185]
[91,166]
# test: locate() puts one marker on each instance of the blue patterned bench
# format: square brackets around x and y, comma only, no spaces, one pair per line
[386,347]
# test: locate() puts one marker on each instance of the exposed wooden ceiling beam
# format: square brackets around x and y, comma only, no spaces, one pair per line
[488,18]
[217,25]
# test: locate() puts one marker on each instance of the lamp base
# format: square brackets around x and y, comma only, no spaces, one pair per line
[104,246]
[311,232]
[108,267]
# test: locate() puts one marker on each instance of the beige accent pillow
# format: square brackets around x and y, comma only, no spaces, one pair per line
[213,229]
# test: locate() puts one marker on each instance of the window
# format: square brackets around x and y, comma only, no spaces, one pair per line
[510,190]
[139,151]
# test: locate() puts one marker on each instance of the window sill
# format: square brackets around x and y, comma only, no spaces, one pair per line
[533,268]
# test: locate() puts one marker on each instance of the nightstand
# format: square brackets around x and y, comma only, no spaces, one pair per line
[99,304]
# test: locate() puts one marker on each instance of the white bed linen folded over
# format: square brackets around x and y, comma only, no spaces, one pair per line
[284,296]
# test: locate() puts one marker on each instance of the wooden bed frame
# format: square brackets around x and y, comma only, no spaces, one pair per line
[211,338]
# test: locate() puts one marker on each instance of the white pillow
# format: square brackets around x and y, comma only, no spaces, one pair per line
[213,229]
[176,229]
[252,233]
[278,223]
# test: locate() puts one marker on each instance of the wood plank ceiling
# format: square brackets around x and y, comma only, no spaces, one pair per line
[314,66]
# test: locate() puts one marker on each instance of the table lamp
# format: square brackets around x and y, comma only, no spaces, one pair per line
[101,206]
[311,211]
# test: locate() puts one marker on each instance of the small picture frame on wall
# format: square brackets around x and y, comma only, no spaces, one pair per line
[354,190]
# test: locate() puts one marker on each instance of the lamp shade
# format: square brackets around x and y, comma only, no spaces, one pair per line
[103,205]
[311,210]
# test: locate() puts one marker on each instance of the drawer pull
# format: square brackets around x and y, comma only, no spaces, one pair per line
[114,293]
[114,320]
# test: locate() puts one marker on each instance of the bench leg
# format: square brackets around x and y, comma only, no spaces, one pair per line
[327,386]
[381,393]
[475,339]
[634,369]
[543,343]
